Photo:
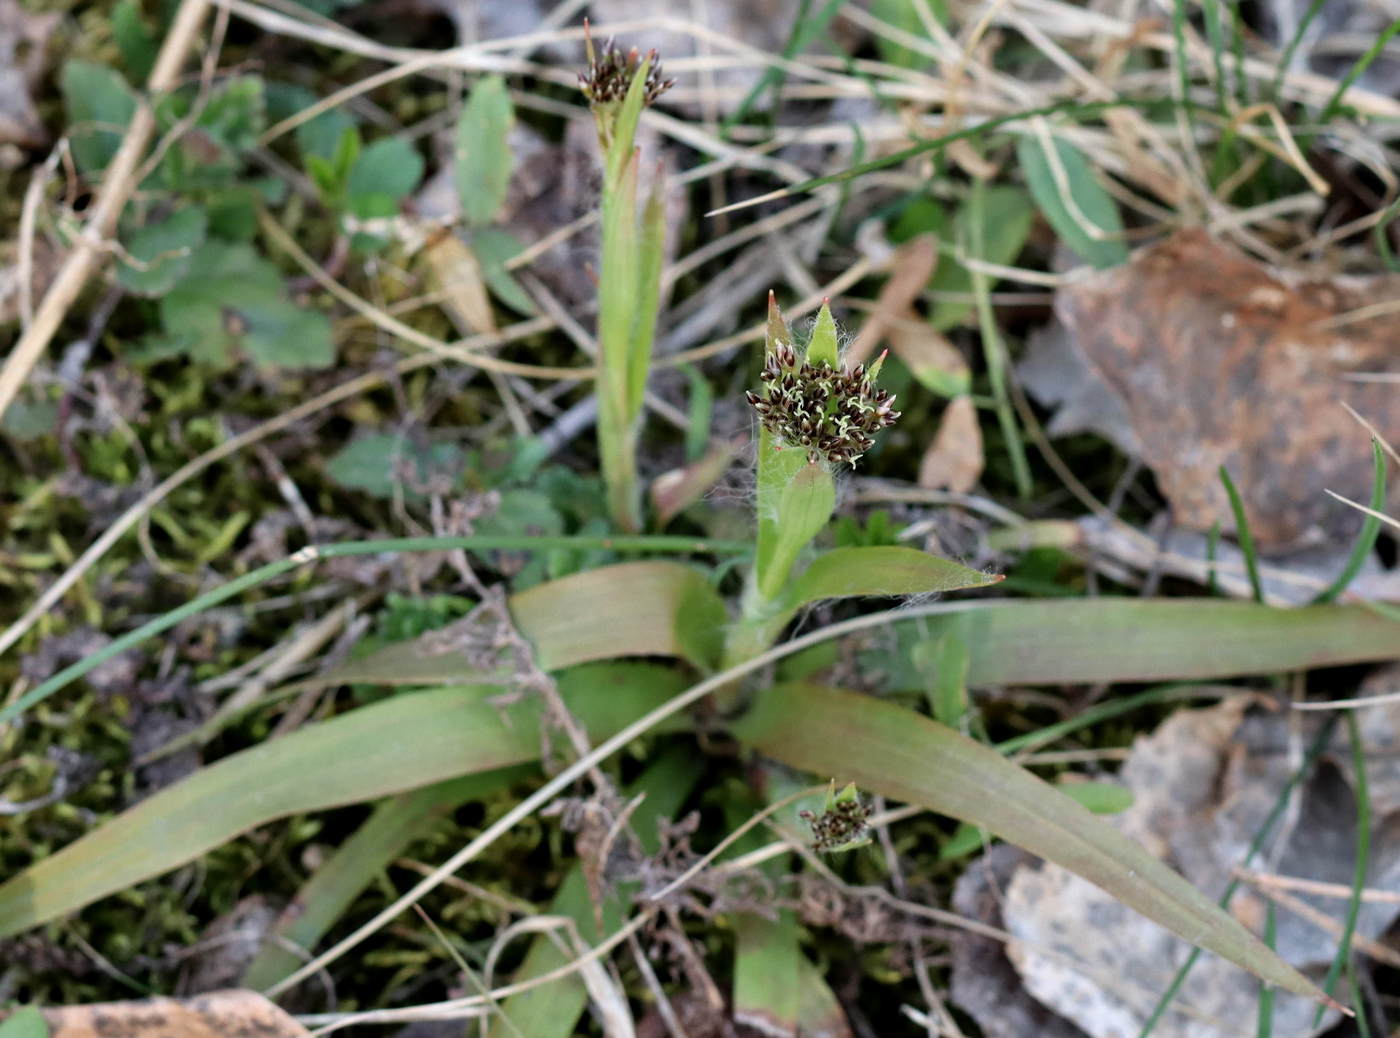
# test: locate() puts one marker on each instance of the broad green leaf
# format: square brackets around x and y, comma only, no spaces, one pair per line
[876,572]
[629,609]
[134,40]
[767,963]
[553,1010]
[398,744]
[804,508]
[166,249]
[493,248]
[1084,641]
[233,301]
[99,105]
[1007,215]
[899,754]
[1083,214]
[483,157]
[332,888]
[822,346]
[903,15]
[384,175]
[318,136]
[382,464]
[25,1023]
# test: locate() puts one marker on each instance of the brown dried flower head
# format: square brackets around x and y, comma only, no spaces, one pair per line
[610,73]
[843,825]
[831,413]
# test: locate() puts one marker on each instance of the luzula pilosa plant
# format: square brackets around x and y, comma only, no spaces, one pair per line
[618,86]
[815,417]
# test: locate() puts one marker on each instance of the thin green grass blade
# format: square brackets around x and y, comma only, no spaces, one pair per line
[1255,845]
[332,888]
[1362,864]
[1363,1028]
[1370,530]
[804,30]
[1334,103]
[1265,1028]
[388,747]
[1242,531]
[265,574]
[1286,59]
[1212,547]
[994,351]
[1072,641]
[892,751]
[1215,33]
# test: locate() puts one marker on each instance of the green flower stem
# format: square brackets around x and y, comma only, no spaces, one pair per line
[629,283]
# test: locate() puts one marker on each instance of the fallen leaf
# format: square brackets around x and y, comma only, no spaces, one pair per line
[24,41]
[221,1014]
[1203,783]
[929,356]
[912,264]
[954,460]
[455,272]
[675,490]
[1219,360]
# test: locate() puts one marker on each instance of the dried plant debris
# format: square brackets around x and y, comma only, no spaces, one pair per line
[24,42]
[1204,783]
[985,984]
[223,1014]
[1217,360]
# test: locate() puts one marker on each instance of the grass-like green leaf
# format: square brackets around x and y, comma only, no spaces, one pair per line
[630,609]
[1243,534]
[333,887]
[553,1010]
[1116,639]
[880,572]
[1083,214]
[402,743]
[805,505]
[892,751]
[483,157]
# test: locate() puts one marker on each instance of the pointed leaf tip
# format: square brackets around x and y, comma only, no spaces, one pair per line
[822,348]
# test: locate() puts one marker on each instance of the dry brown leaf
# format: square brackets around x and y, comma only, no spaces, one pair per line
[455,272]
[929,356]
[954,460]
[677,489]
[1219,360]
[912,264]
[220,1014]
[1203,784]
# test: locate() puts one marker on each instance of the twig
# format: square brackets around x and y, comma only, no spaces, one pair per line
[117,186]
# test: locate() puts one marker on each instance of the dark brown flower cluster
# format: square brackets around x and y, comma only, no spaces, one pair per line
[610,75]
[832,414]
[843,825]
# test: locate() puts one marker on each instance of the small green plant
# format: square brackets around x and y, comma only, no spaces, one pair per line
[618,86]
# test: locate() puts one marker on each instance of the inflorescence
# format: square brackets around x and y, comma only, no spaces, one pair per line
[610,75]
[832,414]
[844,824]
